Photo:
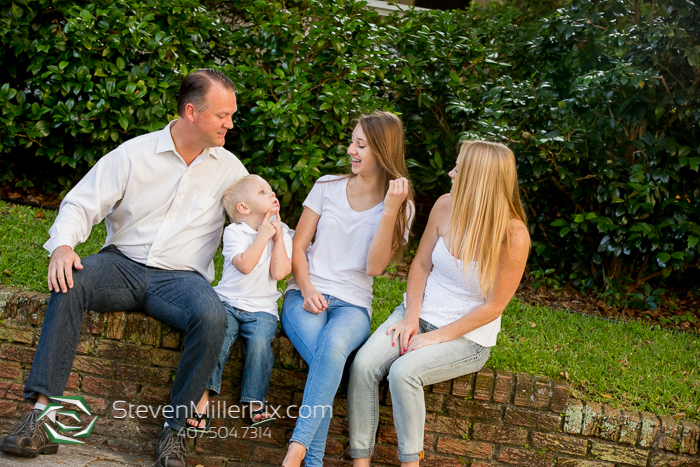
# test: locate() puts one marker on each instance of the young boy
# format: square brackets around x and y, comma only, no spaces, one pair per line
[257,253]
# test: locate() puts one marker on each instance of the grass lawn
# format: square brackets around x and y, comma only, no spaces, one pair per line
[628,365]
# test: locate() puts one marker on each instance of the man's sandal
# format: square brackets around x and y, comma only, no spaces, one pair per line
[198,419]
[263,419]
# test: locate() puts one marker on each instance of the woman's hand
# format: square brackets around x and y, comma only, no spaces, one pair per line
[314,302]
[395,195]
[404,330]
[423,340]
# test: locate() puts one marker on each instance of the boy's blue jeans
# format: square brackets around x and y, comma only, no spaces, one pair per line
[109,281]
[257,330]
[324,340]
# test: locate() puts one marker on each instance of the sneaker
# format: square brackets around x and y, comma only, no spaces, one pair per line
[171,448]
[28,437]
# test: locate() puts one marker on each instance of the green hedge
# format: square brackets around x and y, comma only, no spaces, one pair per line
[599,101]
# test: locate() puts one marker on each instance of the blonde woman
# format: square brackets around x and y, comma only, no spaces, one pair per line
[359,222]
[467,268]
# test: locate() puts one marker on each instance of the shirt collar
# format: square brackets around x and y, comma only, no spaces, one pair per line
[166,144]
[247,229]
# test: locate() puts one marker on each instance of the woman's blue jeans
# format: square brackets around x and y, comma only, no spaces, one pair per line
[407,374]
[257,330]
[324,340]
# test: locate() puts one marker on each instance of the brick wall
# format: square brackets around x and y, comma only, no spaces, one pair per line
[489,418]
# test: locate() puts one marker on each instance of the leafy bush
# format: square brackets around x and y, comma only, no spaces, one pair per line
[80,78]
[599,101]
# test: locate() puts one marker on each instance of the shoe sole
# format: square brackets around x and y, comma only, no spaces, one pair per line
[24,452]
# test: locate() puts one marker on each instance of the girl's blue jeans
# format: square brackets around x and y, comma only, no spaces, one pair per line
[324,340]
[407,374]
[257,330]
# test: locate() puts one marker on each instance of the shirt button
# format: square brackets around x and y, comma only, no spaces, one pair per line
[151,257]
[179,194]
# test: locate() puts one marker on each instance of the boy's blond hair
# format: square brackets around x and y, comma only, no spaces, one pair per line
[237,193]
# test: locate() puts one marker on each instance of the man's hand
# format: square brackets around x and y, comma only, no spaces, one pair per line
[63,260]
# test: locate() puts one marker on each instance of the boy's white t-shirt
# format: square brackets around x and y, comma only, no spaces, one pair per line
[338,256]
[257,290]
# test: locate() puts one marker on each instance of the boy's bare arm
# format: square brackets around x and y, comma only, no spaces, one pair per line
[280,265]
[246,261]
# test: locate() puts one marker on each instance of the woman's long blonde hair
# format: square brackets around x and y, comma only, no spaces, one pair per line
[384,132]
[485,198]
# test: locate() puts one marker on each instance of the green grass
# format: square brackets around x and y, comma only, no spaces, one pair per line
[627,365]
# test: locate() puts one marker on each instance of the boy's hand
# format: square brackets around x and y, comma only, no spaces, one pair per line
[278,225]
[266,229]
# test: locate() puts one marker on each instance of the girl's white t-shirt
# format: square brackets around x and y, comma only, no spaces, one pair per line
[338,257]
[257,290]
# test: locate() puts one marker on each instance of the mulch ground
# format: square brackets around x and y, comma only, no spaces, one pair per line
[679,308]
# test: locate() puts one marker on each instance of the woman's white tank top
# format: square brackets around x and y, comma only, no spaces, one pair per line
[448,296]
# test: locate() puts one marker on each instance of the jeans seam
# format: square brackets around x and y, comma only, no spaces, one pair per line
[460,362]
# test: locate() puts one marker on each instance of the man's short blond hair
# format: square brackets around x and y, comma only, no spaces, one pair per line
[238,193]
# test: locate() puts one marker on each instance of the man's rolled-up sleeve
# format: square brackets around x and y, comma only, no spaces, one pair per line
[90,201]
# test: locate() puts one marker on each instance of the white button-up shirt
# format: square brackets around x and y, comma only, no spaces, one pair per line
[158,211]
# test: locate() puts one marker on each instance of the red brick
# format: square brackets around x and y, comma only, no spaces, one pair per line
[432,460]
[171,338]
[662,459]
[500,434]
[561,392]
[10,370]
[532,419]
[73,381]
[463,386]
[689,438]
[333,447]
[441,424]
[228,447]
[563,462]
[484,385]
[95,322]
[524,457]
[473,409]
[670,433]
[107,387]
[543,393]
[144,374]
[462,447]
[629,427]
[152,395]
[131,353]
[21,334]
[151,332]
[433,402]
[17,353]
[165,358]
[195,460]
[592,419]
[523,390]
[560,443]
[443,387]
[116,325]
[619,454]
[134,327]
[610,425]
[287,378]
[8,409]
[650,429]
[503,387]
[95,366]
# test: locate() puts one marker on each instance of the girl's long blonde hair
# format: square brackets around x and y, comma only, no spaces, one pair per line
[384,132]
[485,198]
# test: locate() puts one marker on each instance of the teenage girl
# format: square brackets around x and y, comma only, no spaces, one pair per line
[359,222]
[467,268]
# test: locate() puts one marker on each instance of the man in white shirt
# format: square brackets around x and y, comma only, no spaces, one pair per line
[161,197]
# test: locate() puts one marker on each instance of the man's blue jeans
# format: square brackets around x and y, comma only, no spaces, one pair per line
[324,340]
[109,281]
[257,330]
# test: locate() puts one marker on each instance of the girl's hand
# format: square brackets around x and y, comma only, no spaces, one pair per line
[404,330]
[423,340]
[396,194]
[314,302]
